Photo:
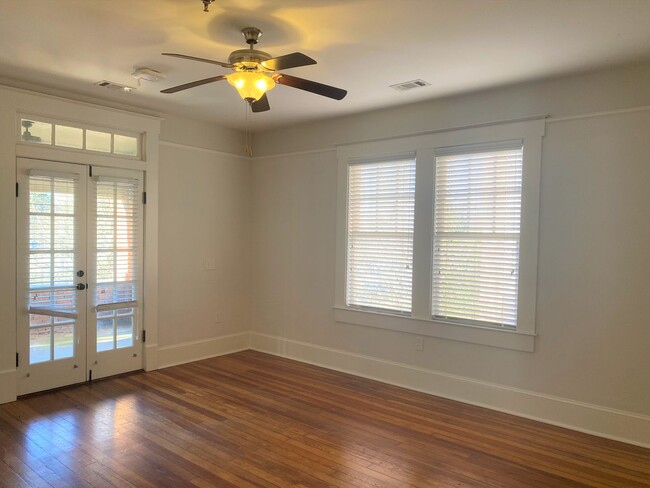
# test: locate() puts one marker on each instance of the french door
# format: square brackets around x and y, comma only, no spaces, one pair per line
[79,278]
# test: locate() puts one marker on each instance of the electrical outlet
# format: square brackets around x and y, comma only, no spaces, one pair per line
[419,343]
[210,264]
[217,318]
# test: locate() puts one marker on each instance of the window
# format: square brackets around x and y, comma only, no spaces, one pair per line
[477,212]
[380,234]
[117,209]
[53,233]
[442,243]
[63,135]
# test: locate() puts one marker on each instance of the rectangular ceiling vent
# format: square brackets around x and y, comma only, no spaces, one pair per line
[110,85]
[409,85]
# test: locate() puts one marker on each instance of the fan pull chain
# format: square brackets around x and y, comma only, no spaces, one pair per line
[248,147]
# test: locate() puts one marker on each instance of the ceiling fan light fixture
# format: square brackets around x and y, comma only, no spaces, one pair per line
[251,85]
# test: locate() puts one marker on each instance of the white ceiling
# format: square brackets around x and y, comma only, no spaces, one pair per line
[360,45]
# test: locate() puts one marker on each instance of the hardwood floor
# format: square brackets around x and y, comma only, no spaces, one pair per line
[250,419]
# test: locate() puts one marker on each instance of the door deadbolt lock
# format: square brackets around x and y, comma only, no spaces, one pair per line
[80,273]
[81,286]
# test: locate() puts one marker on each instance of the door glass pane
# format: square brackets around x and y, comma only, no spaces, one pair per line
[64,232]
[52,237]
[63,340]
[64,270]
[105,335]
[125,331]
[40,342]
[40,196]
[117,243]
[40,232]
[105,269]
[64,197]
[68,136]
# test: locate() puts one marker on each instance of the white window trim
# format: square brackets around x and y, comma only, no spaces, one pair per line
[421,322]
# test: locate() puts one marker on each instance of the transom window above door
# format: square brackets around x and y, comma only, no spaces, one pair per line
[79,137]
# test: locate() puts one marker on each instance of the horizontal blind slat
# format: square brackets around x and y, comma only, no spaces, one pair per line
[477,216]
[118,234]
[381,199]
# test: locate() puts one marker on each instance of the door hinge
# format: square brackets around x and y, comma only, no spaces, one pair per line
[90,171]
[144,197]
[144,336]
[16,189]
[17,359]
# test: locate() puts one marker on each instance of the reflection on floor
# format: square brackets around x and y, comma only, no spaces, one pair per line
[250,419]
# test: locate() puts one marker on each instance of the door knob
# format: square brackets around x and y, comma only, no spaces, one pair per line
[81,286]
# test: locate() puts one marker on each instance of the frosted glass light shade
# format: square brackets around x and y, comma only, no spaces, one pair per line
[250,85]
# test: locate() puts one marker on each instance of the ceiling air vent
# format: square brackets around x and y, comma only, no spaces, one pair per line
[409,85]
[114,86]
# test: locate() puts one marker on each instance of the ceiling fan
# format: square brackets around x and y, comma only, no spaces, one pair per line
[256,72]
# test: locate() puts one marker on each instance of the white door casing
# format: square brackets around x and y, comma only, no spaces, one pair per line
[79,273]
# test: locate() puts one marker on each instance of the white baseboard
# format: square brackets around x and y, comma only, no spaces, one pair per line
[187,352]
[8,387]
[591,419]
[150,357]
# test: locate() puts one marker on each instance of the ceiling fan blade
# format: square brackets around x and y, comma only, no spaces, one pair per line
[287,61]
[193,58]
[311,86]
[262,105]
[178,88]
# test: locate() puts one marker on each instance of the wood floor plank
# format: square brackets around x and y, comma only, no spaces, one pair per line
[254,420]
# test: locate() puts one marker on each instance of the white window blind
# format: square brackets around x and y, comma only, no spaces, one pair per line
[381,198]
[477,218]
[118,213]
[53,236]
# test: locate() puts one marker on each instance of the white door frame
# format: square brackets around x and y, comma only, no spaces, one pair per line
[87,363]
[60,372]
[115,361]
[13,103]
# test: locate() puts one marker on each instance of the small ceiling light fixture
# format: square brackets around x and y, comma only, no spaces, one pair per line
[206,4]
[251,85]
[147,74]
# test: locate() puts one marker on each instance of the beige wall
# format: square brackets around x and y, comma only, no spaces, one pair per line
[204,214]
[197,134]
[615,88]
[594,264]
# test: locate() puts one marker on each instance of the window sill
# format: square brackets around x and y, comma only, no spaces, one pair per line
[506,339]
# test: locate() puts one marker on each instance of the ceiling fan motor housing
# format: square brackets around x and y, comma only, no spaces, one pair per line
[248,59]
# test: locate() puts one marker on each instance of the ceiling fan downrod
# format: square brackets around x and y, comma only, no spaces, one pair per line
[251,34]
[206,4]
